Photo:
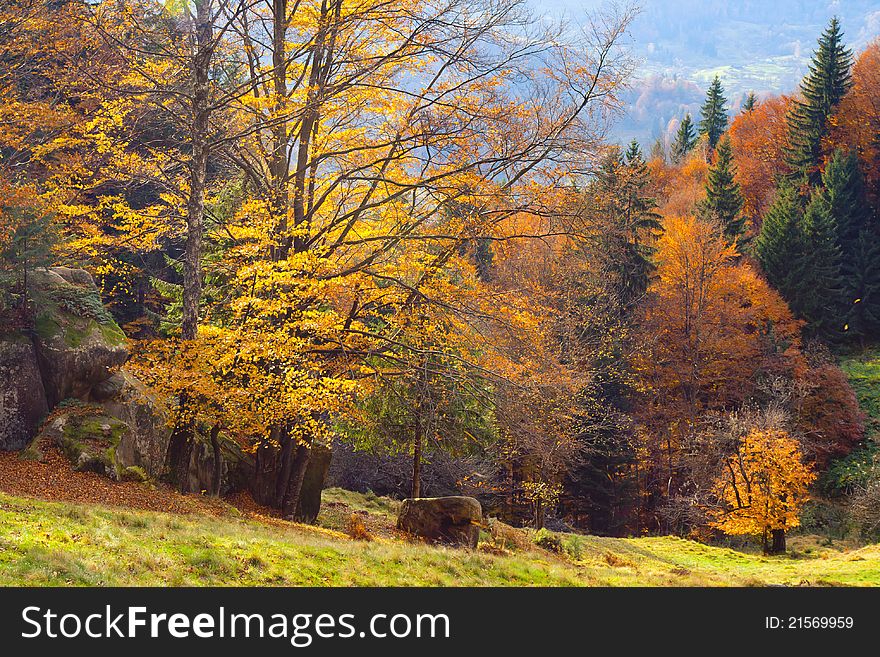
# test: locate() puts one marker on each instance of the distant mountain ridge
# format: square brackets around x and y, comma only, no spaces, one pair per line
[753,45]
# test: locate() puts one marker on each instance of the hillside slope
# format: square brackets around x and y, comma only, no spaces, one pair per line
[52,543]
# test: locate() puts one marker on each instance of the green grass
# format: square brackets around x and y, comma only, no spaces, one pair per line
[50,543]
[863,371]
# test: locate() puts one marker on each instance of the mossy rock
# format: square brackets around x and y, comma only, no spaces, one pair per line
[78,343]
[88,438]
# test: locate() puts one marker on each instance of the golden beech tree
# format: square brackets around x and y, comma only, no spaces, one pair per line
[762,488]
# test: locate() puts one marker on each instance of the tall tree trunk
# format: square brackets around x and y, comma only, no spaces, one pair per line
[217,478]
[416,488]
[195,217]
[778,544]
[294,486]
[284,467]
[539,514]
[279,175]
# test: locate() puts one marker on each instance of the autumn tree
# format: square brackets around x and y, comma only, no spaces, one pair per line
[701,350]
[758,141]
[762,487]
[855,123]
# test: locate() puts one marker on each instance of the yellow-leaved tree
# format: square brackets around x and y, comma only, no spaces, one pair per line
[762,487]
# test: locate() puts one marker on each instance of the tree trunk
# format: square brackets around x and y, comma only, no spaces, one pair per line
[185,452]
[294,486]
[217,478]
[279,166]
[192,262]
[284,468]
[778,544]
[539,514]
[416,489]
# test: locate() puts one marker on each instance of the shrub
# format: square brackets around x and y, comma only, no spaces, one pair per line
[356,529]
[548,541]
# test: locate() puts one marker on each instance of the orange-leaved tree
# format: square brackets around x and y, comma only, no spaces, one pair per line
[762,487]
[758,139]
[711,327]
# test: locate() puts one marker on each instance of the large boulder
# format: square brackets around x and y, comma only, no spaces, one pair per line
[452,520]
[22,398]
[309,504]
[88,438]
[78,344]
[145,442]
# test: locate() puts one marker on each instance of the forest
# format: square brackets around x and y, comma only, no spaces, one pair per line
[398,233]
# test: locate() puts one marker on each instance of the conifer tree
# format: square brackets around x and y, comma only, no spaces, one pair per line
[631,217]
[750,102]
[780,244]
[861,271]
[823,87]
[724,201]
[843,190]
[714,116]
[820,298]
[685,139]
[843,187]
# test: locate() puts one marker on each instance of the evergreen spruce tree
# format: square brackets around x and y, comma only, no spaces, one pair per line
[821,288]
[861,271]
[630,217]
[714,117]
[750,102]
[843,187]
[781,244]
[823,87]
[724,201]
[685,139]
[843,190]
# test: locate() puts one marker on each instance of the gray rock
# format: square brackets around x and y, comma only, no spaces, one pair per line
[23,402]
[78,343]
[88,439]
[145,444]
[452,520]
[106,390]
[75,276]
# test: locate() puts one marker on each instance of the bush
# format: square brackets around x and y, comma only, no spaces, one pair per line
[851,472]
[356,529]
[548,541]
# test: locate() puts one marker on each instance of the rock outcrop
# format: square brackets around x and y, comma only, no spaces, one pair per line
[452,520]
[23,402]
[68,368]
[78,344]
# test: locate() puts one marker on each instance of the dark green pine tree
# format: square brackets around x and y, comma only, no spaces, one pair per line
[823,87]
[781,244]
[821,288]
[714,117]
[630,218]
[685,139]
[843,187]
[843,190]
[724,200]
[750,102]
[861,277]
